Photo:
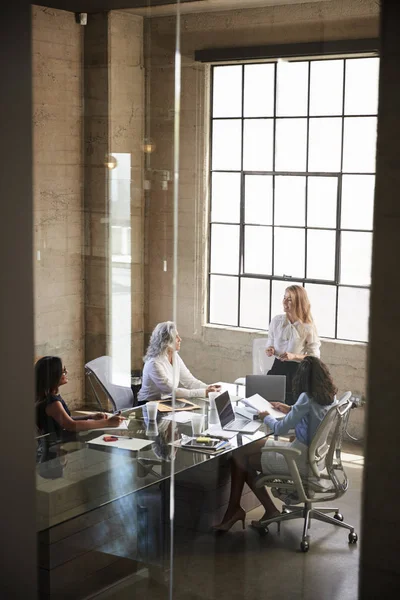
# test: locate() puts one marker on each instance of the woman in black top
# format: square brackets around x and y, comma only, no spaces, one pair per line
[52,414]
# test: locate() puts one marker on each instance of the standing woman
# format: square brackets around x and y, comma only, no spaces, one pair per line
[292,336]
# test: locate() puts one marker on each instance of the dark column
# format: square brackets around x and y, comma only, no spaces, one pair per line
[17,456]
[96,139]
[380,535]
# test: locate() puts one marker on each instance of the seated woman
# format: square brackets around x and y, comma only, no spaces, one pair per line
[158,376]
[292,336]
[315,393]
[52,413]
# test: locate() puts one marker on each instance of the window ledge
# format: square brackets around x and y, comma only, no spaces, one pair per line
[264,332]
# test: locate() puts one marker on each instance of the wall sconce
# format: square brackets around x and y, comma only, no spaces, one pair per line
[148,146]
[110,162]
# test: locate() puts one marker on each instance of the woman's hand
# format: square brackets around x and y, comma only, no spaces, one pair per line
[99,416]
[270,351]
[212,388]
[263,414]
[113,421]
[284,408]
[288,356]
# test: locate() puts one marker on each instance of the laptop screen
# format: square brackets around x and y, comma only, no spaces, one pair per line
[224,408]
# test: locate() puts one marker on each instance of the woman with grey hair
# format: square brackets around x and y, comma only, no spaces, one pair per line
[158,379]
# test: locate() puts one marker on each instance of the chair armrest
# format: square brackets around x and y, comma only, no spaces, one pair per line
[290,455]
[287,451]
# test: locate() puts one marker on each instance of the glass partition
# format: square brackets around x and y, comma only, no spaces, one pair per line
[175,200]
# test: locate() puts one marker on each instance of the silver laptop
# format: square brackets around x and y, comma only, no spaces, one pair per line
[229,421]
[270,387]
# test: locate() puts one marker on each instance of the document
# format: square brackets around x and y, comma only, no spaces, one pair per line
[218,432]
[259,404]
[180,417]
[123,443]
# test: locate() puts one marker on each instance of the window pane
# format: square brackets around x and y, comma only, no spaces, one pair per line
[258,199]
[326,87]
[289,252]
[323,308]
[325,145]
[227,91]
[353,314]
[225,197]
[358,201]
[361,92]
[258,145]
[321,250]
[359,145]
[254,303]
[225,249]
[258,250]
[290,194]
[259,90]
[355,258]
[224,300]
[292,89]
[278,291]
[321,201]
[291,149]
[226,145]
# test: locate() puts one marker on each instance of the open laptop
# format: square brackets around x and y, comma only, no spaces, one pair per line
[229,421]
[269,387]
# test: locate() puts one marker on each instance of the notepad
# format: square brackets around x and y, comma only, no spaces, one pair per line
[259,404]
[123,443]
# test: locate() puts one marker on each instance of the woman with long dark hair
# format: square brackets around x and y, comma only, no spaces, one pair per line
[315,392]
[52,413]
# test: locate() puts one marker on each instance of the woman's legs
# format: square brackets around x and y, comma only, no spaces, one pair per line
[244,467]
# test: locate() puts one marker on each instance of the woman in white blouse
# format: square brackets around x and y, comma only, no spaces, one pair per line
[292,336]
[158,375]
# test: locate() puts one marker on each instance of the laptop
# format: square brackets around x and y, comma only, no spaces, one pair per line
[229,421]
[269,387]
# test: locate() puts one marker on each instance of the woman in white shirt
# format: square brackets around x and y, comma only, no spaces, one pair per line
[158,378]
[292,336]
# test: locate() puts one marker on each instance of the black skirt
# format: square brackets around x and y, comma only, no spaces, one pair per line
[288,368]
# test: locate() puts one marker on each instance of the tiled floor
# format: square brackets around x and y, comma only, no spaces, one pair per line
[242,564]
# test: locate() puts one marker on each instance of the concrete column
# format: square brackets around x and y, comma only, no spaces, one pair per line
[380,535]
[17,456]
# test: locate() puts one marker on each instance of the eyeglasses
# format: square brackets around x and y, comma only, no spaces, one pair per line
[65,370]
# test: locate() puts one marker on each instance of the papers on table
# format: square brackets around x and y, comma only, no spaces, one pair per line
[123,443]
[122,425]
[259,404]
[218,432]
[180,417]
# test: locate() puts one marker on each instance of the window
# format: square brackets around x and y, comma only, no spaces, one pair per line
[291,190]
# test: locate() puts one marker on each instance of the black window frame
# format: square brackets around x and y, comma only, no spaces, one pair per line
[243,173]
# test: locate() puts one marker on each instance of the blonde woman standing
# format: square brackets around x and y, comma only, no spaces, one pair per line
[292,336]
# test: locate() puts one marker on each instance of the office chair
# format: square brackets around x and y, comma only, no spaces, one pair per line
[326,480]
[100,370]
[261,362]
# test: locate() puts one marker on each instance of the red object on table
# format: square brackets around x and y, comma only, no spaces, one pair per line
[110,438]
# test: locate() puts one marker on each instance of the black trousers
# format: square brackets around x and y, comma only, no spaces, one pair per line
[288,368]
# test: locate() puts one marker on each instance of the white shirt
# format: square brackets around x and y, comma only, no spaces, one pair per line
[298,338]
[158,381]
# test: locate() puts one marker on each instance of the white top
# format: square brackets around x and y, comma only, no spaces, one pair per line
[157,380]
[298,338]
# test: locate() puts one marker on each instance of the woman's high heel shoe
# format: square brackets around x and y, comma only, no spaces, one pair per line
[240,515]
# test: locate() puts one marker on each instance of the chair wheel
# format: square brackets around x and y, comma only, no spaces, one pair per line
[353,538]
[263,531]
[338,516]
[304,546]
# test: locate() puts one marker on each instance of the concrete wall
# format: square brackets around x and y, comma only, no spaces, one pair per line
[73,301]
[221,353]
[57,174]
